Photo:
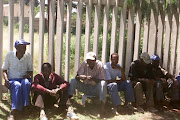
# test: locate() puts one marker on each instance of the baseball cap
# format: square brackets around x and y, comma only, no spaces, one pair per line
[91,56]
[20,42]
[155,57]
[146,58]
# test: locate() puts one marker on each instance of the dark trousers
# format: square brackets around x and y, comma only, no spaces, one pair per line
[49,100]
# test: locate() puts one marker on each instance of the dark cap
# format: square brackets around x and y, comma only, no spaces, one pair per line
[20,42]
[155,57]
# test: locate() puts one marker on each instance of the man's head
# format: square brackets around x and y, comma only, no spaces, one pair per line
[46,69]
[91,59]
[155,60]
[114,58]
[145,58]
[20,46]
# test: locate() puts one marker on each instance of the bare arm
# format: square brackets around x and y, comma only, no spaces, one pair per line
[6,78]
[123,76]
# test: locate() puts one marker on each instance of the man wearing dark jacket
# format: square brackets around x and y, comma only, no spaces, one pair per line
[141,75]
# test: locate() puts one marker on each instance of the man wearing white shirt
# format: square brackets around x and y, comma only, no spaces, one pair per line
[18,73]
[116,81]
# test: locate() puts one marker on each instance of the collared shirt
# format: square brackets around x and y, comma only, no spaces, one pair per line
[54,80]
[97,72]
[111,73]
[17,68]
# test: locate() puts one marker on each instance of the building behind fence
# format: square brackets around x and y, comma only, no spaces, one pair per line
[130,33]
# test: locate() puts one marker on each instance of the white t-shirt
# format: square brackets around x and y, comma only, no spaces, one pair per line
[111,73]
[17,68]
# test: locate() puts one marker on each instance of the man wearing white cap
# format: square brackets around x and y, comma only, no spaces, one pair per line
[142,77]
[18,73]
[90,79]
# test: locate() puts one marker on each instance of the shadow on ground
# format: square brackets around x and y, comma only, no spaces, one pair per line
[90,111]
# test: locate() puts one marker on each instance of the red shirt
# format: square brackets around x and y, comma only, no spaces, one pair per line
[39,83]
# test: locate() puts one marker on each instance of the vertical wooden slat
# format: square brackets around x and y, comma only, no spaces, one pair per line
[130,38]
[152,33]
[174,36]
[167,40]
[1,44]
[178,55]
[11,24]
[177,72]
[96,28]
[137,35]
[68,37]
[31,27]
[59,36]
[88,27]
[159,50]
[78,36]
[122,35]
[114,28]
[41,35]
[146,35]
[21,19]
[51,33]
[105,32]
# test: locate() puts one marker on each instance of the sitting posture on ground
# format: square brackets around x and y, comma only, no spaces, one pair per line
[48,88]
[178,78]
[90,79]
[116,81]
[18,73]
[142,78]
[165,82]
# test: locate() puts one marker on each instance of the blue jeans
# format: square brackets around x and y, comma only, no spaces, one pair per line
[20,89]
[99,90]
[114,88]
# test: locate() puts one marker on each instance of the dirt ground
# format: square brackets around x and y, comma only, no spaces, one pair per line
[90,111]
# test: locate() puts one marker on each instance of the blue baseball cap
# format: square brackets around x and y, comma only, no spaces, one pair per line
[20,42]
[155,57]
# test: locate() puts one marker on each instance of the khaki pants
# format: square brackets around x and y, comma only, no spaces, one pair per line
[139,93]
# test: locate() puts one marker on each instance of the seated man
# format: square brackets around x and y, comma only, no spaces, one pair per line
[90,79]
[178,78]
[166,81]
[48,87]
[114,70]
[18,73]
[141,75]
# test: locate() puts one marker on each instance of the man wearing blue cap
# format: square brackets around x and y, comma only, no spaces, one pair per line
[18,73]
[165,81]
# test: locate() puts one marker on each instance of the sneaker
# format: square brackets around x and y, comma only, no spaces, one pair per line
[12,115]
[42,115]
[152,109]
[114,111]
[71,115]
[140,109]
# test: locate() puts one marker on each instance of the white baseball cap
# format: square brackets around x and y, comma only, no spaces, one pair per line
[90,56]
